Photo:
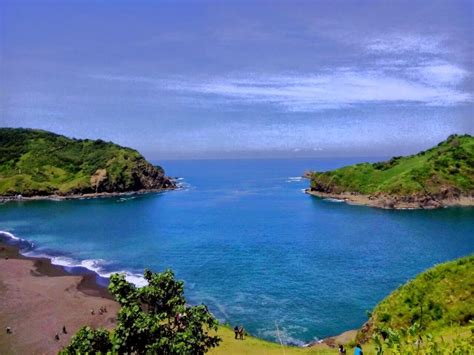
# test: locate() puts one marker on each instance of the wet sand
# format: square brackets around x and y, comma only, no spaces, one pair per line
[37,299]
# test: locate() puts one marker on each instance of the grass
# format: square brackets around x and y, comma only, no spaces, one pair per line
[441,299]
[448,166]
[438,304]
[252,345]
[36,162]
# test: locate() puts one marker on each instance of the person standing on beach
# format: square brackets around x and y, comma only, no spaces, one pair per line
[236,331]
[341,349]
[358,350]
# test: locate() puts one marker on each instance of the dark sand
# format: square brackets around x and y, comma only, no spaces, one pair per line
[38,298]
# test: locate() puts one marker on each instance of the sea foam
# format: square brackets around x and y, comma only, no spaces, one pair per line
[9,235]
[94,265]
[294,179]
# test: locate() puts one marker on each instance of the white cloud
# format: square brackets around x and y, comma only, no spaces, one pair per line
[441,73]
[402,43]
[300,93]
[431,83]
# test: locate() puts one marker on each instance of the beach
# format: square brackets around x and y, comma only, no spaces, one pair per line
[38,299]
[240,243]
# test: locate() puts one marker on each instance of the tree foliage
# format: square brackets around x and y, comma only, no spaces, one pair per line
[88,340]
[153,319]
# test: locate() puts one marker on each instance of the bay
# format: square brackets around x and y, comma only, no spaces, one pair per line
[250,244]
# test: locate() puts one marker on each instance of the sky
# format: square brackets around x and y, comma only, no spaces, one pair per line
[241,79]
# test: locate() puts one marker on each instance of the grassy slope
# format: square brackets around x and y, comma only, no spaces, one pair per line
[251,345]
[445,291]
[440,299]
[36,162]
[448,165]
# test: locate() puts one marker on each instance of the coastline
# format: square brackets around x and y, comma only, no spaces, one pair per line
[55,197]
[388,202]
[39,297]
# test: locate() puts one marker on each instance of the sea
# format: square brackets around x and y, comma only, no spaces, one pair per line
[249,243]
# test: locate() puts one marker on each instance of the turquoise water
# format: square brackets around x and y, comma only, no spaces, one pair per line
[250,244]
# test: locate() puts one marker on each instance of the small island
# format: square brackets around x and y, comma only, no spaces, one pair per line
[36,164]
[438,177]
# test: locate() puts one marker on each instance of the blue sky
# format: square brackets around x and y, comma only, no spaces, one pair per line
[210,79]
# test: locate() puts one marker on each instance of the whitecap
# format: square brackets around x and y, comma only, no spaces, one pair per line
[295,179]
[94,265]
[97,266]
[334,199]
[136,279]
[123,199]
[9,235]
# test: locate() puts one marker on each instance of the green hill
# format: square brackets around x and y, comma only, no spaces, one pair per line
[40,163]
[438,305]
[443,175]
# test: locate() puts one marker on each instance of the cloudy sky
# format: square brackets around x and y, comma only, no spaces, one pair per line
[210,79]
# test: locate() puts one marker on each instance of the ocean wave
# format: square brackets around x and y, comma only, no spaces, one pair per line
[22,244]
[9,235]
[334,199]
[281,334]
[295,179]
[183,186]
[95,265]
[124,199]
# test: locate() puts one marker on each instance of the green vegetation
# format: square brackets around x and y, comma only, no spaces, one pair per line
[39,163]
[153,319]
[254,346]
[433,313]
[444,171]
[147,323]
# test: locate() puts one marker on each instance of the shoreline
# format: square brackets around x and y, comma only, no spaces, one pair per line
[39,298]
[83,286]
[79,196]
[392,203]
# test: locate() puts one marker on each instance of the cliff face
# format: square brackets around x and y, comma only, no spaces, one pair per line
[432,178]
[139,175]
[40,163]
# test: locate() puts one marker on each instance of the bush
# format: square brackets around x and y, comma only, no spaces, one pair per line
[153,319]
[88,340]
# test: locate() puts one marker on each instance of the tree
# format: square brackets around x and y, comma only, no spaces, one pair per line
[152,319]
[88,340]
